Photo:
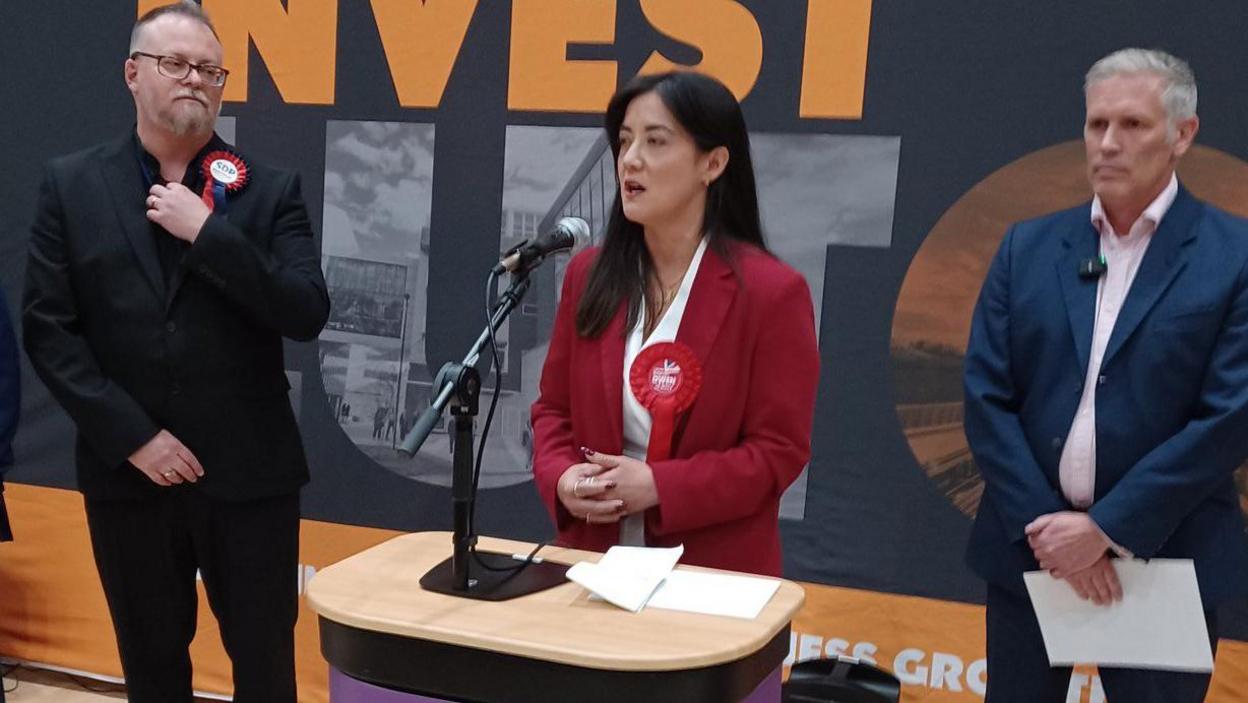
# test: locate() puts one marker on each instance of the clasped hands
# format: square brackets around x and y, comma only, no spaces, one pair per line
[1070,546]
[605,488]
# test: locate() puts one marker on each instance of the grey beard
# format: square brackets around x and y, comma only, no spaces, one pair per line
[183,123]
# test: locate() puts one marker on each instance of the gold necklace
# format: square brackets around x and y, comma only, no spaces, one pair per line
[665,301]
[668,297]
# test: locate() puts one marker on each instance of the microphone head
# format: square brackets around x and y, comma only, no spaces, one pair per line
[569,233]
[574,231]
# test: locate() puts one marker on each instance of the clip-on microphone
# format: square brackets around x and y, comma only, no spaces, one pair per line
[1093,268]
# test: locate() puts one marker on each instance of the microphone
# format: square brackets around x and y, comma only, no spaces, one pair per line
[569,233]
[1093,268]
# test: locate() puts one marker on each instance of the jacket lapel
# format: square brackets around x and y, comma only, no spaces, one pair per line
[714,290]
[1082,243]
[179,272]
[124,181]
[1162,263]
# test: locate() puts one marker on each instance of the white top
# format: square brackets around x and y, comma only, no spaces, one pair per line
[636,417]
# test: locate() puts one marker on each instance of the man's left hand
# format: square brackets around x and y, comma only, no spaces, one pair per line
[178,209]
[1066,543]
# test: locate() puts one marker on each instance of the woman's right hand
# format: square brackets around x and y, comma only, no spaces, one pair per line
[580,491]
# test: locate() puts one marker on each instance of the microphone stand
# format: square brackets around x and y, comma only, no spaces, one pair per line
[501,576]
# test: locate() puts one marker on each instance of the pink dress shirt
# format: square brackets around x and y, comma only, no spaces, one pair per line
[1123,254]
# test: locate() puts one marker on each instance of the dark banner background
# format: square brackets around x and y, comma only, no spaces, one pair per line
[969,87]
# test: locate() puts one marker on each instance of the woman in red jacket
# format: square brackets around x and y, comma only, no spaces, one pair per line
[678,393]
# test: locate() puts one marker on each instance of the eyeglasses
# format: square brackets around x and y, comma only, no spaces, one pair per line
[178,69]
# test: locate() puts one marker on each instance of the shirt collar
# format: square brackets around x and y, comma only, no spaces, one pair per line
[1153,213]
[151,165]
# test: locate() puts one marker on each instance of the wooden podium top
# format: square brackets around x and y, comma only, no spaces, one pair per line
[379,590]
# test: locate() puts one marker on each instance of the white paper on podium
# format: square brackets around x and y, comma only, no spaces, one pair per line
[714,594]
[1159,624]
[627,576]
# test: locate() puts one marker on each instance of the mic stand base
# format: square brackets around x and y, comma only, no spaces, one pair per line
[484,584]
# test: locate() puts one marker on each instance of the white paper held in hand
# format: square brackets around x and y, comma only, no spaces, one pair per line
[1159,624]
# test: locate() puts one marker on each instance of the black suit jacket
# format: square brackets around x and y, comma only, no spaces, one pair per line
[128,355]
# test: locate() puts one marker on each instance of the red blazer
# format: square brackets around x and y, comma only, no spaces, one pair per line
[744,440]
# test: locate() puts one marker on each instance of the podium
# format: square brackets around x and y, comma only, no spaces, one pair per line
[388,641]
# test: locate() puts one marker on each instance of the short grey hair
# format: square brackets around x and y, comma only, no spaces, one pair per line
[1178,95]
[183,8]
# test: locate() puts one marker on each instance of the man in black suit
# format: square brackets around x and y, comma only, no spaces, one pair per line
[164,271]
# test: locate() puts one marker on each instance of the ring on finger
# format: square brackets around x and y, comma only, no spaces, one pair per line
[576,491]
[168,472]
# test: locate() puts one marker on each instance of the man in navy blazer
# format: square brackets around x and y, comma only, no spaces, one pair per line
[10,400]
[1106,385]
[10,397]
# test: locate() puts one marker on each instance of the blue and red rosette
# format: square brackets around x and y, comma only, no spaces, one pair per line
[224,173]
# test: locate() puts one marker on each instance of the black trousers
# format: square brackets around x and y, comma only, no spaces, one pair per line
[1019,671]
[148,552]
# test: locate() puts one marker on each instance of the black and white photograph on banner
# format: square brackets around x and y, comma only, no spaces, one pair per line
[375,253]
[816,191]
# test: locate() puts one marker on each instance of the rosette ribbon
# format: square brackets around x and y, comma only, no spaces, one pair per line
[665,378]
[224,173]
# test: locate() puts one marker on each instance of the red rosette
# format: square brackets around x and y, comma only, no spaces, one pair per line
[226,168]
[225,173]
[665,378]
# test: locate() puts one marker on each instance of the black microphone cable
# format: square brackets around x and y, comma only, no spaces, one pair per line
[491,285]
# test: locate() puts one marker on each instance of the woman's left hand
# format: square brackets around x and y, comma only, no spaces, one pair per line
[633,479]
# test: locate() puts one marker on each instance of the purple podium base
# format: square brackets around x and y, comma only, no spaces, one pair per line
[344,689]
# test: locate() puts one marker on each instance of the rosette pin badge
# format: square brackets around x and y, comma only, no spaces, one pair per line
[224,173]
[665,378]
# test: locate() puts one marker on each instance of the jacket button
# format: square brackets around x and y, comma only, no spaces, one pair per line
[1057,442]
[1100,380]
[171,326]
[175,389]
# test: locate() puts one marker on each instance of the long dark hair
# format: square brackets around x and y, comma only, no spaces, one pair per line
[711,115]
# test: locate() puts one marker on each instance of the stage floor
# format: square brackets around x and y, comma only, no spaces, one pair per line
[27,685]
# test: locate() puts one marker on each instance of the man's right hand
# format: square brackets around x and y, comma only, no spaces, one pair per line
[1097,583]
[166,461]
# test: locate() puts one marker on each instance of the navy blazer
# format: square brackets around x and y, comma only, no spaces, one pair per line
[1171,397]
[10,401]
